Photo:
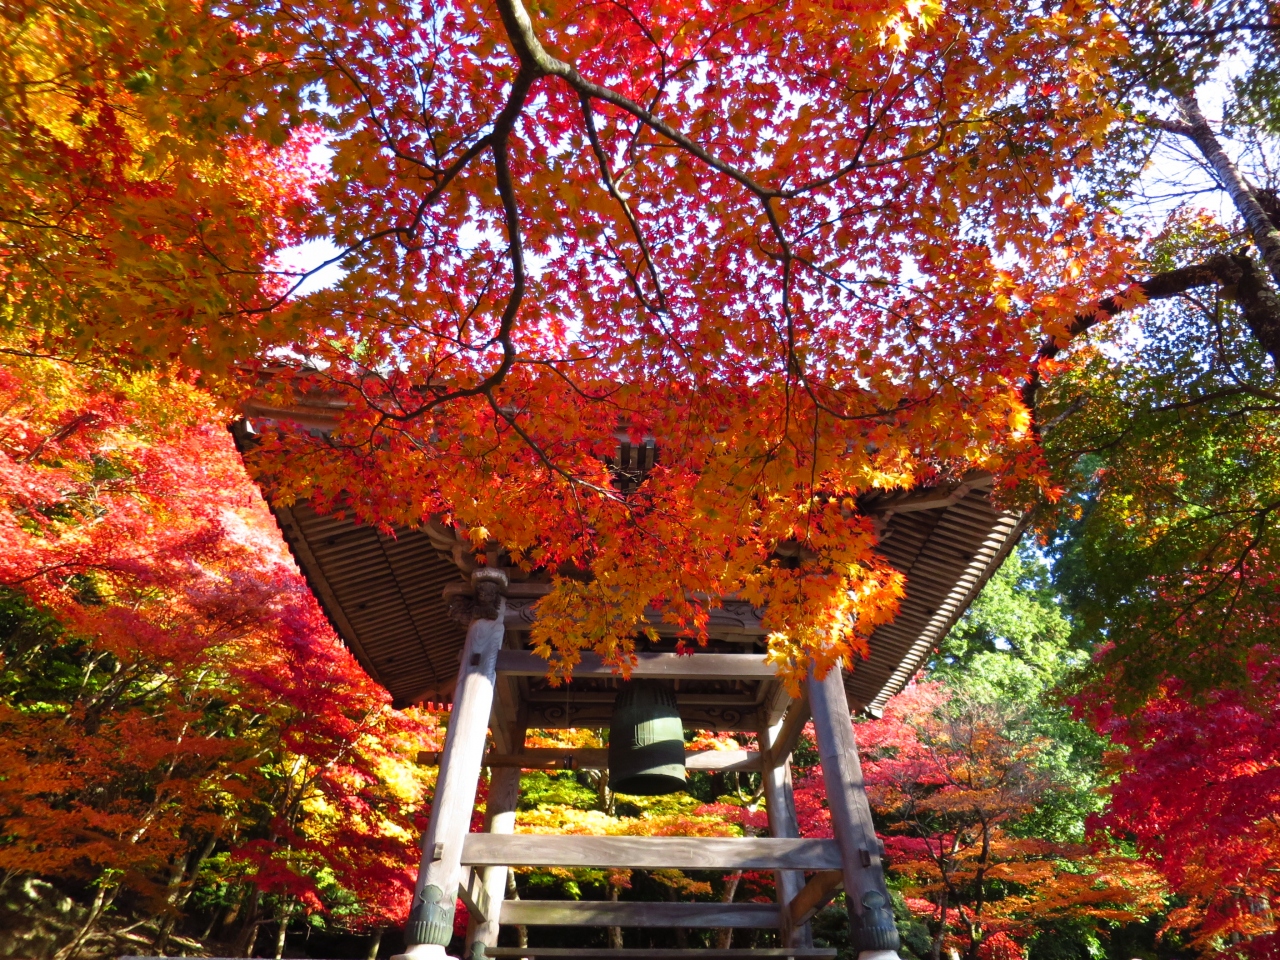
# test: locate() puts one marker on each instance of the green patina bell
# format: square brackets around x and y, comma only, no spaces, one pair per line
[646,740]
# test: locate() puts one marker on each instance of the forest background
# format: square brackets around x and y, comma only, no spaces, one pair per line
[191,761]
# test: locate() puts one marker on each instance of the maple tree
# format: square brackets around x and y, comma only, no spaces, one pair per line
[1197,793]
[808,253]
[809,250]
[954,780]
[141,200]
[180,726]
[1016,647]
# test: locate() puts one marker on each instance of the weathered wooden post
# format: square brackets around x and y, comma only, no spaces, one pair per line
[775,772]
[870,915]
[430,926]
[500,817]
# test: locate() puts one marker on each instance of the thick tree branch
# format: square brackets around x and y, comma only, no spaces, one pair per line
[1168,126]
[533,56]
[1238,273]
[498,141]
[1270,203]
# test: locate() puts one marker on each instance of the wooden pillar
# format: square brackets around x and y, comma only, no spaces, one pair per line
[430,926]
[875,935]
[775,774]
[500,817]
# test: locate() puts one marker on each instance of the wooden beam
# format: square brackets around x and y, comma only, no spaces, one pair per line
[609,913]
[866,893]
[788,735]
[500,818]
[440,871]
[564,715]
[506,722]
[650,853]
[668,666]
[733,620]
[781,807]
[605,698]
[659,953]
[591,758]
[515,590]
[472,893]
[816,894]
[929,498]
[774,703]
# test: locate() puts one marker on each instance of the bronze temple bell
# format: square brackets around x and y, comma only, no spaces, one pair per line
[646,740]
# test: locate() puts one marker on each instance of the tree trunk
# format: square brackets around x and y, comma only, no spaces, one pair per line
[935,951]
[244,942]
[205,853]
[375,944]
[176,874]
[615,933]
[1261,229]
[213,922]
[604,796]
[682,935]
[178,897]
[101,901]
[286,909]
[724,936]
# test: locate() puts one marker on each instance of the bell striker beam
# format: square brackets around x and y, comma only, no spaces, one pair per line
[870,917]
[430,926]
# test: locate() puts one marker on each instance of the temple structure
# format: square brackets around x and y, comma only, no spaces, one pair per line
[429,624]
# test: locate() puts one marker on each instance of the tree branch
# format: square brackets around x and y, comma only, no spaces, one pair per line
[1237,272]
[529,50]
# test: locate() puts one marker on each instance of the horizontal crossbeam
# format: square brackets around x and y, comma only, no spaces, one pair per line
[726,718]
[650,853]
[591,758]
[607,913]
[668,666]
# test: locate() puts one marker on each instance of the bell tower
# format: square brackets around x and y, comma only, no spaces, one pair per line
[500,687]
[430,621]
